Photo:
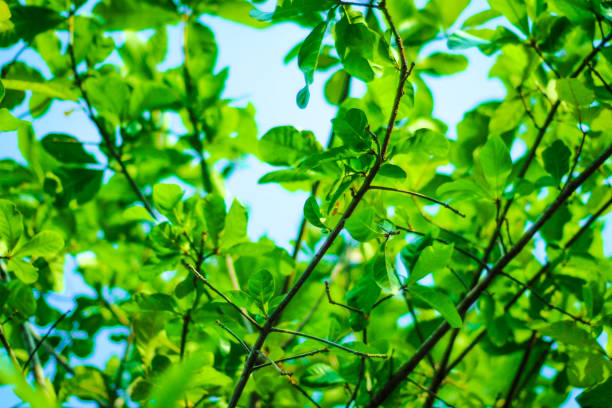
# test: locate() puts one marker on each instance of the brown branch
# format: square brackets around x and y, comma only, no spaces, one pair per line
[436,382]
[598,75]
[481,287]
[520,370]
[435,396]
[423,196]
[359,380]
[101,129]
[8,348]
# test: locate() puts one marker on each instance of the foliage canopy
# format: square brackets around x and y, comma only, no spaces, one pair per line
[409,284]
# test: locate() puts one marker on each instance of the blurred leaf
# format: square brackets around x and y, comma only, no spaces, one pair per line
[439,301]
[11,226]
[67,149]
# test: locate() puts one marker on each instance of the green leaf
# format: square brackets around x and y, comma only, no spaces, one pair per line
[392,171]
[137,213]
[50,89]
[384,272]
[286,146]
[22,26]
[568,332]
[350,126]
[156,301]
[45,243]
[461,40]
[135,15]
[261,288]
[439,301]
[312,212]
[9,123]
[514,10]
[25,271]
[480,18]
[166,198]
[9,374]
[598,396]
[432,258]
[361,224]
[411,252]
[496,163]
[308,55]
[171,386]
[335,87]
[286,176]
[201,50]
[21,299]
[67,149]
[11,226]
[572,91]
[440,63]
[364,293]
[556,160]
[78,183]
[2,90]
[320,375]
[213,208]
[235,226]
[302,97]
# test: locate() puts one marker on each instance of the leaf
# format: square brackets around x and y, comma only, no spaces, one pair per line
[285,146]
[350,126]
[9,123]
[320,375]
[286,176]
[137,213]
[201,50]
[235,230]
[25,271]
[514,10]
[135,15]
[67,149]
[166,198]
[171,386]
[598,396]
[392,171]
[78,183]
[461,40]
[384,272]
[432,258]
[411,252]
[310,49]
[556,160]
[572,91]
[480,18]
[261,288]
[302,97]
[364,293]
[21,23]
[157,301]
[439,301]
[312,212]
[50,89]
[11,226]
[45,243]
[568,332]
[361,224]
[34,397]
[496,163]
[213,208]
[440,63]
[335,87]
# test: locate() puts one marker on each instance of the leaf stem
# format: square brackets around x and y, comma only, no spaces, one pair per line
[520,370]
[423,196]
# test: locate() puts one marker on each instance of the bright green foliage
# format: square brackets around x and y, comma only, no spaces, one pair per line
[415,245]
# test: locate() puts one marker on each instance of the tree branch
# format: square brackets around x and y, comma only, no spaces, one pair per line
[415,194]
[41,340]
[477,291]
[296,357]
[347,307]
[521,368]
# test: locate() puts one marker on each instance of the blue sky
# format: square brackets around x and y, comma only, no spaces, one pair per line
[258,75]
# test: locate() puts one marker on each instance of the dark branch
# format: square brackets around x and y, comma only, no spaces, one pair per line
[415,194]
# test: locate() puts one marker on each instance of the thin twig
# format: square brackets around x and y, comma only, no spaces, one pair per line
[8,348]
[598,75]
[295,357]
[328,342]
[347,307]
[359,380]
[40,341]
[415,194]
[218,292]
[410,380]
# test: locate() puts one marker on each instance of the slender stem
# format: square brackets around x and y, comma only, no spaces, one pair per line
[101,129]
[423,196]
[480,288]
[332,302]
[598,75]
[296,357]
[40,341]
[436,382]
[544,301]
[305,394]
[428,391]
[359,380]
[520,370]
[328,342]
[61,360]
[218,292]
